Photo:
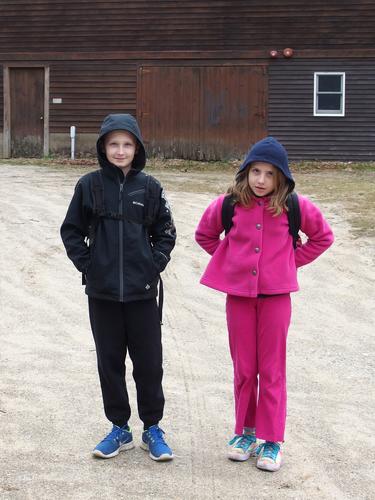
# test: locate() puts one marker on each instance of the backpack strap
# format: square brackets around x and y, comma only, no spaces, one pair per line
[152,194]
[293,213]
[97,190]
[161,300]
[227,212]
[152,204]
[99,211]
[294,217]
[152,200]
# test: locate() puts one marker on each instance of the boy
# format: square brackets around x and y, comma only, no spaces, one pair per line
[126,218]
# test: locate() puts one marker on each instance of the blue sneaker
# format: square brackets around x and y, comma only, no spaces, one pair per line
[119,439]
[153,441]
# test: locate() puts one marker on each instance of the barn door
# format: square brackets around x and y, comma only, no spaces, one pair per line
[169,110]
[210,113]
[26,122]
[233,109]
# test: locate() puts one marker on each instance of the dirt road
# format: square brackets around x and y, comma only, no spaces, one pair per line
[50,405]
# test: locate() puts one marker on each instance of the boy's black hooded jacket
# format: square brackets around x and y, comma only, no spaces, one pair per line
[124,262]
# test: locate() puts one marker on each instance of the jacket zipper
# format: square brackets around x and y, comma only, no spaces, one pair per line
[121,242]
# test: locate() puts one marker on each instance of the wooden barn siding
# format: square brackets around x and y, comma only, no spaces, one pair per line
[1,97]
[90,90]
[291,120]
[93,25]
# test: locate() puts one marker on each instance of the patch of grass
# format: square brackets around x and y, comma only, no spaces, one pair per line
[353,191]
[311,166]
[50,162]
[191,165]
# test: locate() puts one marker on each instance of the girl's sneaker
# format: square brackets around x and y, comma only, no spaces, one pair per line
[269,456]
[243,447]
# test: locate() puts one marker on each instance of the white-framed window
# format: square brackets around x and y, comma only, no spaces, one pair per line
[329,94]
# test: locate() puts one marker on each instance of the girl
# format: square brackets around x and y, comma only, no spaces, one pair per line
[256,266]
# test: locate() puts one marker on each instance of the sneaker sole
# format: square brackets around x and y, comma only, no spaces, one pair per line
[163,458]
[241,457]
[123,447]
[237,457]
[270,467]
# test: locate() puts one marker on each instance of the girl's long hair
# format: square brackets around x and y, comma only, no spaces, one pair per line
[242,194]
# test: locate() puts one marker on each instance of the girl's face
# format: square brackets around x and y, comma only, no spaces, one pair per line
[262,178]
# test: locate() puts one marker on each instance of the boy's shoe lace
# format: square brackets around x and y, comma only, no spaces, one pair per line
[153,441]
[242,447]
[269,456]
[119,439]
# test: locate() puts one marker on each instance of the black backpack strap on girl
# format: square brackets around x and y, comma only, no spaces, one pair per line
[294,217]
[293,213]
[227,212]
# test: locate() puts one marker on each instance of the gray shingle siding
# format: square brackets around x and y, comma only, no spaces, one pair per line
[308,137]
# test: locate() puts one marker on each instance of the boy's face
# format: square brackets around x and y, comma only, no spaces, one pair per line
[262,178]
[120,149]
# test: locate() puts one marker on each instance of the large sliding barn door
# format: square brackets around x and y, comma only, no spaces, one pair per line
[196,112]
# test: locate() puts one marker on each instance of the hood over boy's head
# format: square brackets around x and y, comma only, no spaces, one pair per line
[126,122]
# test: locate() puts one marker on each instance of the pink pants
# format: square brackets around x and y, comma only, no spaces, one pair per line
[258,329]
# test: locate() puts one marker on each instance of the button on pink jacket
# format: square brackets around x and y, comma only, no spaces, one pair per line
[257,255]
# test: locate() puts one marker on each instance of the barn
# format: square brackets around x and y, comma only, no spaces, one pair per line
[204,78]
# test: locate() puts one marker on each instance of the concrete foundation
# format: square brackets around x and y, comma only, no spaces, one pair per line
[84,144]
[59,144]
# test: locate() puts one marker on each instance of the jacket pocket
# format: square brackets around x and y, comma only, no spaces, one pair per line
[160,260]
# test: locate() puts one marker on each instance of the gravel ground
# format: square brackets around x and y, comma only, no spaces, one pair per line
[50,405]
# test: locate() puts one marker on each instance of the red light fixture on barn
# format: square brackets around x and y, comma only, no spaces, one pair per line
[288,52]
[274,54]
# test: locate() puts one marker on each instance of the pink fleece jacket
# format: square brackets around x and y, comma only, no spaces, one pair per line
[257,255]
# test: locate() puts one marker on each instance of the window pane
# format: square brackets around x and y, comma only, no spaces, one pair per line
[329,102]
[329,83]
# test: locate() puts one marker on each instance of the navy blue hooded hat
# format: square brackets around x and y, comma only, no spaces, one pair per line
[271,151]
[129,124]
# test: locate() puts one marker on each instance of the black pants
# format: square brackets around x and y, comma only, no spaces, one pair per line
[133,327]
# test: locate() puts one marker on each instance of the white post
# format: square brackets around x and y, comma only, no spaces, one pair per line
[72,141]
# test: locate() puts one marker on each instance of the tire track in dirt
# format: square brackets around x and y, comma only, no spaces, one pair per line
[187,340]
